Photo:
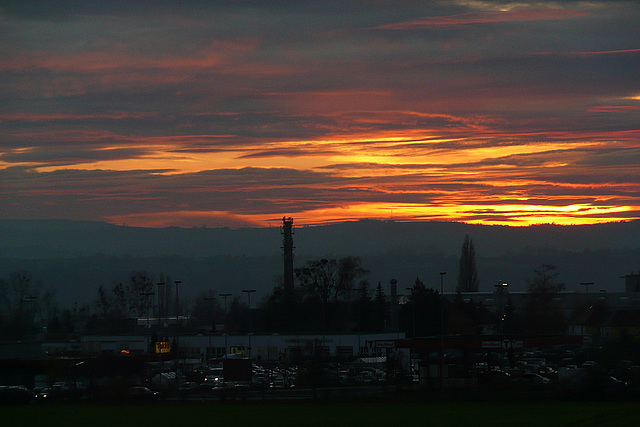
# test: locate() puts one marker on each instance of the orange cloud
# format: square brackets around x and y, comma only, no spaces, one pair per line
[187,219]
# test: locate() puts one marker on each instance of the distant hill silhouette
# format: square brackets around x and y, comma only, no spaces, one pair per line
[74,258]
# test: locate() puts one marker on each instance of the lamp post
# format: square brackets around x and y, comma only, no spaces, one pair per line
[177,282]
[211,299]
[160,300]
[177,336]
[147,304]
[586,286]
[501,291]
[362,291]
[147,301]
[161,311]
[225,296]
[249,292]
[442,273]
[31,300]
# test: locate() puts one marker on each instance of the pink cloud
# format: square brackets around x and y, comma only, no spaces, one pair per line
[219,54]
[613,108]
[463,19]
[591,53]
[31,117]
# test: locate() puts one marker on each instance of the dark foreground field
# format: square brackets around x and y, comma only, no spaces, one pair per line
[512,414]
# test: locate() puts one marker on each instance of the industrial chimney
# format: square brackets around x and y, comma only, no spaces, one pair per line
[287,246]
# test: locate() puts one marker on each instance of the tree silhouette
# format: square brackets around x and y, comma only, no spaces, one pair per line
[137,292]
[468,274]
[327,282]
[205,312]
[421,314]
[364,307]
[350,274]
[23,306]
[319,278]
[541,309]
[380,310]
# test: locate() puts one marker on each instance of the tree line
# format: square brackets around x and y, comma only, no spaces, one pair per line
[331,296]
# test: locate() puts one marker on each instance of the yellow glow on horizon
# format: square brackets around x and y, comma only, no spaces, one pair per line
[455,171]
[490,214]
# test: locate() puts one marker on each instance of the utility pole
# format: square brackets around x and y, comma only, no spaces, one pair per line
[160,300]
[224,324]
[249,292]
[442,273]
[147,304]
[225,296]
[211,299]
[177,336]
[586,285]
[147,301]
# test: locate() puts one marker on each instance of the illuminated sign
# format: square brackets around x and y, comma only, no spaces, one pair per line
[237,350]
[163,347]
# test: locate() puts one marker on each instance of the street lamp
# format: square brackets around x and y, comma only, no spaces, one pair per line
[362,291]
[177,282]
[249,292]
[502,291]
[147,304]
[147,301]
[177,336]
[442,273]
[30,299]
[161,309]
[586,286]
[160,300]
[213,320]
[225,296]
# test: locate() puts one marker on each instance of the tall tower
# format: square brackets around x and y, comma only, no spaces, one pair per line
[287,246]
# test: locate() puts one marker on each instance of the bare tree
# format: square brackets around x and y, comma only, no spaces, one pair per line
[542,312]
[138,288]
[319,278]
[24,306]
[350,277]
[130,299]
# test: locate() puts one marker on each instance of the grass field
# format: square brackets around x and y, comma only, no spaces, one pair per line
[395,414]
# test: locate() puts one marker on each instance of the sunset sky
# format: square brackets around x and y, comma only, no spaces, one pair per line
[237,113]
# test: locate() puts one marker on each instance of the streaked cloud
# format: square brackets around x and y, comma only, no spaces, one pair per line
[472,18]
[237,113]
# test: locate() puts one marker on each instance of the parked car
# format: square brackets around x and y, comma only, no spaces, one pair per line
[213,380]
[139,393]
[44,393]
